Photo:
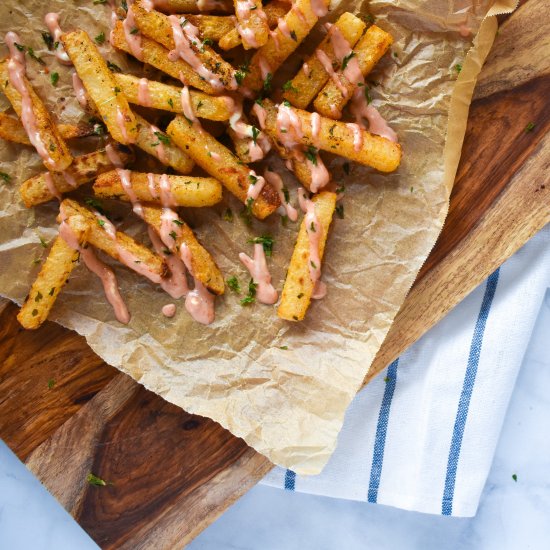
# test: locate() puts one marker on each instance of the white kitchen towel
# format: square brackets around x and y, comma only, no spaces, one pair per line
[422,435]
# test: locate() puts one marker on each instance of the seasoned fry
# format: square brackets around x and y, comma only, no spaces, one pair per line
[61,260]
[184,190]
[11,129]
[251,23]
[299,21]
[203,266]
[222,164]
[168,98]
[273,11]
[49,143]
[298,287]
[85,168]
[118,245]
[193,6]
[157,26]
[159,145]
[212,27]
[368,51]
[157,56]
[101,86]
[311,78]
[347,140]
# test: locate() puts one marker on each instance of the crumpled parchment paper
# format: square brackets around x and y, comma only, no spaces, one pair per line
[289,404]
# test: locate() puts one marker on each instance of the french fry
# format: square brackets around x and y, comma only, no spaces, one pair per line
[203,266]
[307,83]
[299,21]
[157,26]
[155,142]
[368,51]
[168,98]
[84,168]
[250,148]
[50,145]
[273,10]
[185,190]
[340,138]
[212,27]
[251,23]
[222,164]
[194,6]
[298,287]
[61,260]
[157,56]
[101,86]
[122,248]
[11,129]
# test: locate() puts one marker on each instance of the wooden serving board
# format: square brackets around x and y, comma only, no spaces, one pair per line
[66,413]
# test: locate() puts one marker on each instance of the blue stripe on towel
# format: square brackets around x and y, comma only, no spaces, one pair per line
[381,429]
[466,394]
[290,480]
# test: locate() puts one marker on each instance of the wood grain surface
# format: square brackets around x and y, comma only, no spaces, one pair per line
[66,413]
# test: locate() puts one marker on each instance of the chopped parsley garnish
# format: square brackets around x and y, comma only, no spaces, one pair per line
[255,134]
[101,223]
[311,154]
[340,189]
[32,55]
[283,347]
[250,297]
[177,222]
[345,167]
[312,227]
[293,36]
[286,194]
[313,265]
[100,38]
[228,215]
[171,102]
[163,138]
[340,211]
[288,87]
[259,102]
[301,295]
[34,312]
[239,77]
[134,31]
[266,241]
[347,59]
[412,189]
[52,290]
[117,90]
[386,379]
[38,296]
[43,243]
[51,383]
[124,5]
[246,213]
[113,67]
[173,234]
[99,2]
[458,66]
[52,147]
[19,47]
[267,83]
[331,129]
[95,204]
[253,179]
[48,39]
[5,177]
[233,284]
[529,127]
[286,103]
[199,104]
[95,480]
[515,477]
[367,95]
[54,77]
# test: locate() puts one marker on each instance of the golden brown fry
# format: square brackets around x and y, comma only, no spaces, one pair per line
[122,248]
[194,6]
[222,164]
[85,168]
[52,146]
[101,86]
[158,144]
[213,27]
[157,56]
[298,287]
[368,51]
[339,138]
[157,26]
[251,23]
[299,21]
[61,260]
[185,190]
[11,129]
[203,265]
[308,83]
[168,98]
[273,10]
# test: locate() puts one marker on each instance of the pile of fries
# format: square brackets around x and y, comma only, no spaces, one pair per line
[186,40]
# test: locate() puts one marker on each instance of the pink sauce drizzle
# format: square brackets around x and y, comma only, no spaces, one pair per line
[199,302]
[319,8]
[244,12]
[184,33]
[51,186]
[315,128]
[159,148]
[265,293]
[151,186]
[80,91]
[169,310]
[319,174]
[283,27]
[265,69]
[260,113]
[144,96]
[299,13]
[187,107]
[69,178]
[277,183]
[208,5]
[16,72]
[113,156]
[357,135]
[215,156]
[95,265]
[52,22]
[289,127]
[254,189]
[132,37]
[167,199]
[305,68]
[325,61]
[126,181]
[121,123]
[257,147]
[377,125]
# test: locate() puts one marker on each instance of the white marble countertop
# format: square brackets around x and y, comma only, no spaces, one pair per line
[512,514]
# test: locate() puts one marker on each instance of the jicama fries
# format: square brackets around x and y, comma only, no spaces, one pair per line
[311,78]
[251,23]
[60,262]
[338,91]
[308,252]
[85,168]
[176,190]
[149,93]
[222,164]
[101,86]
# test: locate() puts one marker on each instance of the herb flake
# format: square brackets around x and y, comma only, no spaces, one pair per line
[233,284]
[266,241]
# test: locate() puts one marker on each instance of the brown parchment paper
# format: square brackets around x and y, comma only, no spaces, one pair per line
[289,404]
